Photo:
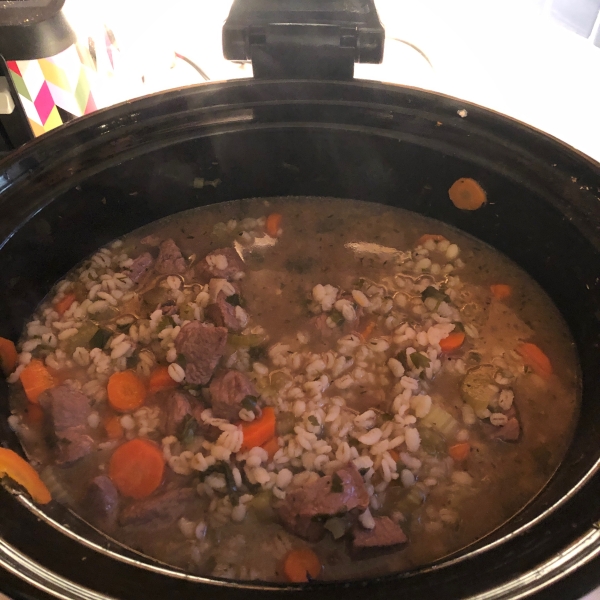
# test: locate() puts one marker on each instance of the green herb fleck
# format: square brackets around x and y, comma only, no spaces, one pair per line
[188,429]
[438,295]
[235,300]
[337,485]
[458,327]
[313,421]
[100,338]
[336,316]
[402,357]
[419,360]
[250,403]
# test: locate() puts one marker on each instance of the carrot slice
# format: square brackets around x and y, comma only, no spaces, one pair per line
[459,452]
[535,358]
[273,224]
[260,430]
[136,468]
[436,237]
[501,291]
[113,428]
[301,564]
[20,471]
[368,330]
[161,380]
[36,379]
[452,342]
[126,391]
[467,194]
[62,306]
[272,446]
[8,356]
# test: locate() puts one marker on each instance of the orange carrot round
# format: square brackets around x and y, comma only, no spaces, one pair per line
[161,380]
[271,447]
[501,291]
[126,391]
[273,224]
[459,452]
[113,428]
[62,306]
[8,356]
[453,341]
[136,468]
[300,565]
[467,194]
[20,471]
[535,358]
[259,431]
[436,237]
[36,378]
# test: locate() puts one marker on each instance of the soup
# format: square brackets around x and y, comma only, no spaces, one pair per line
[296,388]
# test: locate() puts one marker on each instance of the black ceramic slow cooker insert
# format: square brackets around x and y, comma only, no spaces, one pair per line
[97,178]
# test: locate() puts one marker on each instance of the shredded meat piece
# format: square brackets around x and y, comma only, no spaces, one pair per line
[159,510]
[303,505]
[222,314]
[170,260]
[228,390]
[68,411]
[202,345]
[101,502]
[385,533]
[141,265]
[207,270]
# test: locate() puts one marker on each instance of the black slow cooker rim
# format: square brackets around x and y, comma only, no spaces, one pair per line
[40,154]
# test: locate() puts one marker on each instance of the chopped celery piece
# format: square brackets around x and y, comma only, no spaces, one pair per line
[82,338]
[441,420]
[432,441]
[478,387]
[245,341]
[285,423]
[336,526]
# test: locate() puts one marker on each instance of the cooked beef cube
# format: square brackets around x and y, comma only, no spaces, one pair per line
[73,443]
[202,346]
[222,314]
[227,391]
[170,259]
[224,263]
[101,502]
[303,505]
[385,533]
[159,510]
[509,432]
[68,411]
[141,265]
[178,407]
[67,407]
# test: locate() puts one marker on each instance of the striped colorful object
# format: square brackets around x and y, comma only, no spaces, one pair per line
[54,90]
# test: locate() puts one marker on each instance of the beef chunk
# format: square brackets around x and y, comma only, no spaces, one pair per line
[509,432]
[208,267]
[67,407]
[202,345]
[159,510]
[303,505]
[222,314]
[178,407]
[68,411]
[227,391]
[141,265]
[101,503]
[169,259]
[73,443]
[385,533]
